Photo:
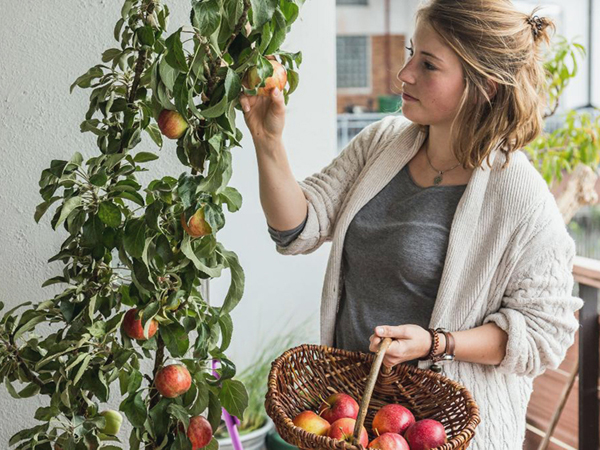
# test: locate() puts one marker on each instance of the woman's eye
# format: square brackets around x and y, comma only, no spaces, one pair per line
[426,64]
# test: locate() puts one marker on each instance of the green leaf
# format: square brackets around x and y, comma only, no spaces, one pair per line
[232,198]
[180,94]
[216,110]
[214,409]
[41,209]
[175,55]
[180,413]
[82,368]
[93,230]
[148,314]
[236,288]
[110,214]
[85,80]
[186,248]
[146,35]
[135,237]
[233,397]
[111,54]
[99,178]
[155,134]
[135,409]
[226,325]
[30,325]
[67,208]
[176,339]
[144,157]
[29,391]
[206,16]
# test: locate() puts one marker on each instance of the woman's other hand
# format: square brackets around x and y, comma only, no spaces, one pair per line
[409,342]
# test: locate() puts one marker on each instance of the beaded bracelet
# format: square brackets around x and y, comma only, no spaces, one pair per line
[435,342]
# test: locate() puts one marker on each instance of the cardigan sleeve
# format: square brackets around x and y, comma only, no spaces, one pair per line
[326,190]
[537,309]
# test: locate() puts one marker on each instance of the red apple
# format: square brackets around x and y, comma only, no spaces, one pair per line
[338,406]
[425,434]
[197,226]
[171,124]
[199,432]
[279,79]
[343,429]
[392,418]
[173,380]
[132,325]
[312,422]
[389,441]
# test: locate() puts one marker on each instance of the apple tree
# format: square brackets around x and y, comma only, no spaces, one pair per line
[132,315]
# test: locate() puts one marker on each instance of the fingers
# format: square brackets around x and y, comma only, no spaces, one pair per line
[398,332]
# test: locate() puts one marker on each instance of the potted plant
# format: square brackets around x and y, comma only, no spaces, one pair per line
[255,424]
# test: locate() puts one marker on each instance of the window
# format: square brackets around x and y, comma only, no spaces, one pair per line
[353,61]
[351,2]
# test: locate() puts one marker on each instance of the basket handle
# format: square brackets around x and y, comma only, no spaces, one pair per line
[366,399]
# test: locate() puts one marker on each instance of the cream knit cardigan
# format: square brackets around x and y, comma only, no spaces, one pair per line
[509,261]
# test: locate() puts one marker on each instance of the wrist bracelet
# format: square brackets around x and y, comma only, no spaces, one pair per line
[435,342]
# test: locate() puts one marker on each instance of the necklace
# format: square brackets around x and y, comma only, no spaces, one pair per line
[438,179]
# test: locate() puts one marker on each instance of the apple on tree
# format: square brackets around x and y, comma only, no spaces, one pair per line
[173,380]
[389,441]
[343,430]
[392,418]
[338,406]
[171,124]
[312,422]
[113,420]
[278,79]
[132,325]
[199,432]
[197,226]
[425,434]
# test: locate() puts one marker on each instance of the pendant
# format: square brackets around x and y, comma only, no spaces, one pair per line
[437,180]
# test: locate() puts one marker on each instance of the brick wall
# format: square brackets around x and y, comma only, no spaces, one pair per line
[379,77]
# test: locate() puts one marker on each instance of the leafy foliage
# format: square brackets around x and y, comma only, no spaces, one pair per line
[126,246]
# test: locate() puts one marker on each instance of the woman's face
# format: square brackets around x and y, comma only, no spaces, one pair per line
[433,75]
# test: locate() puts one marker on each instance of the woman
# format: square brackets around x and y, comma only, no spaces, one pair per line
[437,219]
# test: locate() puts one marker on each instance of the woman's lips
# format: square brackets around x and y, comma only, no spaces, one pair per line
[408,98]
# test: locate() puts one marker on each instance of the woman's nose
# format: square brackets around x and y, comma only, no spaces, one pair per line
[405,75]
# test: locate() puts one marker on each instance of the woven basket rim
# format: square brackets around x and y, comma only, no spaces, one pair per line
[274,408]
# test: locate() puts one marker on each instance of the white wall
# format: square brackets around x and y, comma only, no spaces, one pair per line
[44,46]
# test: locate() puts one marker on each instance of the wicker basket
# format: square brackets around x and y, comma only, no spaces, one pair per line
[303,375]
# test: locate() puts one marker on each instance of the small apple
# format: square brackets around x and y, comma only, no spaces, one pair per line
[279,79]
[425,434]
[197,226]
[393,418]
[173,380]
[199,432]
[312,422]
[113,421]
[338,406]
[389,441]
[132,325]
[171,124]
[343,429]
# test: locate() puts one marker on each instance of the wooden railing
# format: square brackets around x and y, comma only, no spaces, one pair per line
[586,272]
[564,409]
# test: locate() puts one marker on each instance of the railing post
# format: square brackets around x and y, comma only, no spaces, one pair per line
[588,369]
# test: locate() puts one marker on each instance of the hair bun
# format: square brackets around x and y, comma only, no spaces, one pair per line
[537,25]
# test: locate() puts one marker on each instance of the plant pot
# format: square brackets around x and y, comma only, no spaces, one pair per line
[255,440]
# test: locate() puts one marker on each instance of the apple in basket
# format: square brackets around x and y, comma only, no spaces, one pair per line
[392,418]
[425,434]
[312,422]
[389,441]
[343,429]
[338,406]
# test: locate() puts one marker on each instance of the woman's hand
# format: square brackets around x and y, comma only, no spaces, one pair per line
[264,116]
[409,342]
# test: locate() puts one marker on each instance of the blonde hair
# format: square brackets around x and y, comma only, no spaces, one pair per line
[494,41]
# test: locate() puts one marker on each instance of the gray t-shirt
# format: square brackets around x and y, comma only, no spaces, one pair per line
[393,256]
